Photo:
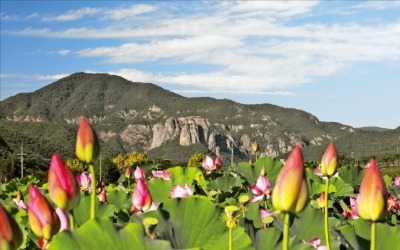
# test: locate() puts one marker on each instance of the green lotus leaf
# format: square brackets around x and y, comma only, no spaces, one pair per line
[196,222]
[101,233]
[82,211]
[225,183]
[252,172]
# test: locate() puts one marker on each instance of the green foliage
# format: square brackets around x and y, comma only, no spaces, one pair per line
[195,160]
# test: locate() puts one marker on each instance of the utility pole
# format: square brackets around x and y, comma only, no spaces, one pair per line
[22,160]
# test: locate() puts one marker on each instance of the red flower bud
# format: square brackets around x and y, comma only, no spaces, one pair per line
[291,192]
[10,232]
[373,197]
[43,219]
[87,145]
[63,187]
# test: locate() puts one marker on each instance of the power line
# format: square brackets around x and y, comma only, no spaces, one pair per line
[22,160]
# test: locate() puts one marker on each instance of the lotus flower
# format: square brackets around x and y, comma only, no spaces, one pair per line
[396,181]
[291,192]
[393,204]
[353,212]
[19,201]
[316,243]
[321,200]
[84,181]
[63,187]
[261,188]
[161,174]
[329,160]
[43,219]
[373,197]
[181,192]
[10,233]
[208,164]
[141,198]
[87,145]
[64,219]
[139,173]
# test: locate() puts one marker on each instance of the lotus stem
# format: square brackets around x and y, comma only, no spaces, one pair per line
[326,222]
[373,236]
[93,194]
[71,220]
[230,238]
[286,219]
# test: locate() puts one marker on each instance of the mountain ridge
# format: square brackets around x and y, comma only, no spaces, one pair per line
[143,117]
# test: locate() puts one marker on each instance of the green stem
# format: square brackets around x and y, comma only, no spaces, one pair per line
[93,194]
[373,236]
[71,220]
[286,219]
[230,238]
[327,236]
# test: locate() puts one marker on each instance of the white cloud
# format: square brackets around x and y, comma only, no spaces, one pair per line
[72,15]
[129,12]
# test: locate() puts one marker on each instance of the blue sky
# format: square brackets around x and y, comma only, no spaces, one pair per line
[338,60]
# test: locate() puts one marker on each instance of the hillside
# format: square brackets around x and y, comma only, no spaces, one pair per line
[142,117]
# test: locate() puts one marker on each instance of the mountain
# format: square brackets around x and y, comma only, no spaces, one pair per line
[142,117]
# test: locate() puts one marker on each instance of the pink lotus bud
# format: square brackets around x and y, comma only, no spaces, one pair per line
[128,172]
[251,161]
[329,160]
[181,192]
[373,197]
[141,198]
[161,174]
[43,219]
[10,233]
[139,173]
[291,192]
[63,187]
[103,196]
[84,181]
[87,145]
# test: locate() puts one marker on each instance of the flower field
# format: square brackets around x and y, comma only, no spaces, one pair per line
[265,204]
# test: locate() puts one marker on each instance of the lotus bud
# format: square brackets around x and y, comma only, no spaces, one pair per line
[263,171]
[255,146]
[141,198]
[218,162]
[373,197]
[10,232]
[329,160]
[208,164]
[291,192]
[139,173]
[87,144]
[128,172]
[103,196]
[43,219]
[321,200]
[63,187]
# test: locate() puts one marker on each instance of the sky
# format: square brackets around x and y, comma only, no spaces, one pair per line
[338,60]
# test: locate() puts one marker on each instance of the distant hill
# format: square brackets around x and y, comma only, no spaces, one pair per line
[142,117]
